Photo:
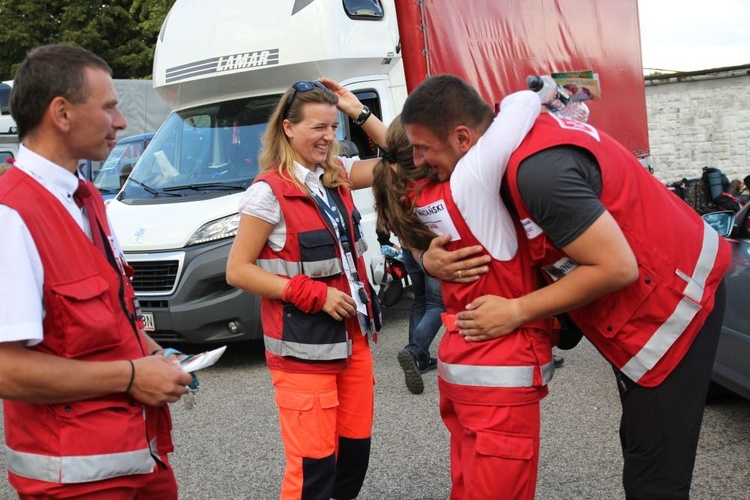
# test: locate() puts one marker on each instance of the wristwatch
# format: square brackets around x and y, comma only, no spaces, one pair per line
[363,116]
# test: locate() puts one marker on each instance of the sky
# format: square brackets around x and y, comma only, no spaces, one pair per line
[691,35]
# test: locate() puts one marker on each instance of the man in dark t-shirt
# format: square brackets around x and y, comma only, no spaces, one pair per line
[561,188]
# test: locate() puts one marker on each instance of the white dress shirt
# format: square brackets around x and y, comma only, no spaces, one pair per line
[21,271]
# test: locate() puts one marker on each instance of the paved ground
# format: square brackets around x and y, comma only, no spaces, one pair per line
[228,446]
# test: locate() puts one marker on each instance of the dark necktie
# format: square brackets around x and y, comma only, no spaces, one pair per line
[83,198]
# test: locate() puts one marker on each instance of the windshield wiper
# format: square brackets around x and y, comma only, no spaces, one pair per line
[207,185]
[150,190]
[106,190]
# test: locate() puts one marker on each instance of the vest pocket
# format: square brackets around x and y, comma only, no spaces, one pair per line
[83,317]
[610,313]
[109,433]
[313,337]
[318,254]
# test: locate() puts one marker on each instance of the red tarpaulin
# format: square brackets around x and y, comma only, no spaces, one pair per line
[495,44]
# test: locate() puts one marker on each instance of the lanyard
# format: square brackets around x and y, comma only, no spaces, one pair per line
[336,215]
[337,218]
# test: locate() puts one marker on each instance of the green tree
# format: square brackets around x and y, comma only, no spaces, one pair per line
[123,32]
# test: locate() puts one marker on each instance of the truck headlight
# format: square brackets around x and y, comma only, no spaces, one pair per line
[216,230]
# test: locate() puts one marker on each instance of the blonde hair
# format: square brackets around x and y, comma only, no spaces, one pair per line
[277,153]
[396,190]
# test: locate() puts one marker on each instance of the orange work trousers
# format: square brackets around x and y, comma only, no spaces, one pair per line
[326,423]
[494,450]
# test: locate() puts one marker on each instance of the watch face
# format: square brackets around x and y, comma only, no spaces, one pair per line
[362,116]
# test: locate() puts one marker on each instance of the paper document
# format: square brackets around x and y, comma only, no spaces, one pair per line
[202,360]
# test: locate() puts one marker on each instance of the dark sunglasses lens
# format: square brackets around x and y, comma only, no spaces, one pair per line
[303,86]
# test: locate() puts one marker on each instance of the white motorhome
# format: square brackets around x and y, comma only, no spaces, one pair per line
[222,69]
[222,66]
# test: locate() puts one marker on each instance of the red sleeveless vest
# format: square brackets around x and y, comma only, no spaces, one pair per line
[510,370]
[294,340]
[645,328]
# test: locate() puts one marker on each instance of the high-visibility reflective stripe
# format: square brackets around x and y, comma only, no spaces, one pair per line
[281,267]
[317,269]
[78,469]
[493,376]
[668,333]
[705,264]
[313,352]
[660,342]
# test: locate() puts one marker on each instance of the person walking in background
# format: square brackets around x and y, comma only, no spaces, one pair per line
[424,315]
[424,324]
[647,291]
[299,246]
[84,402]
[489,391]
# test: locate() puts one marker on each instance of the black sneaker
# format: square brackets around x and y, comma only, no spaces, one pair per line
[429,366]
[412,375]
[558,360]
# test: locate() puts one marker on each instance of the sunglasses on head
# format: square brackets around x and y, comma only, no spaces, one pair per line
[303,86]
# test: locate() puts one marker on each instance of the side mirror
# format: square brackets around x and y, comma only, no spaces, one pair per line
[722,222]
[125,173]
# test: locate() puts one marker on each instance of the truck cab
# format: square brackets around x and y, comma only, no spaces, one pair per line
[223,70]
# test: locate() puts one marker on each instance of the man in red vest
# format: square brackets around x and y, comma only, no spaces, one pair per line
[635,268]
[84,395]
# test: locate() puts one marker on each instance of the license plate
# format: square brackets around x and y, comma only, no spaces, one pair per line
[148,322]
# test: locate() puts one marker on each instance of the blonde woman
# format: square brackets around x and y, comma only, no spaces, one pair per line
[299,247]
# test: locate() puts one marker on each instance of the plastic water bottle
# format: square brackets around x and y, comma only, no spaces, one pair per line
[391,252]
[556,99]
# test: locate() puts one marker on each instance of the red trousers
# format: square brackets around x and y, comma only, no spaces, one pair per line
[494,450]
[159,485]
[316,412]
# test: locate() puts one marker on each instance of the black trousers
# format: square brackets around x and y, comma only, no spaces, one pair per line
[660,426]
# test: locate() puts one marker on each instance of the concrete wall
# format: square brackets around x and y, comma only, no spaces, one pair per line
[697,121]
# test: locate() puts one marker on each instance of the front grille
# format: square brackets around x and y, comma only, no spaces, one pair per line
[153,304]
[156,276]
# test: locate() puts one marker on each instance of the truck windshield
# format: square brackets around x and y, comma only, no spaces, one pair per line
[202,152]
